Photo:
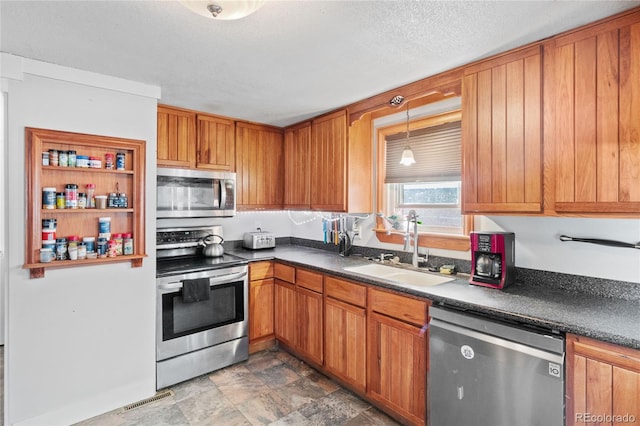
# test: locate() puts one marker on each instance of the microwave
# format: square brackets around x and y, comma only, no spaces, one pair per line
[183,193]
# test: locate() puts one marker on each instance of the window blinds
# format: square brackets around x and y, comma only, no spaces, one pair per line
[437,150]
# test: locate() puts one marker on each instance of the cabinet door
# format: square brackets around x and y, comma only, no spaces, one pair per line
[597,148]
[502,134]
[285,312]
[215,143]
[176,137]
[345,329]
[309,321]
[259,167]
[602,380]
[261,303]
[329,165]
[397,366]
[297,167]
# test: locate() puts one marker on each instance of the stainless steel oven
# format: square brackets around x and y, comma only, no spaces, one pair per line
[196,336]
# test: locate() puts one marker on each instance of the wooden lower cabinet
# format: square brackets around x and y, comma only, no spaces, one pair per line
[345,329]
[261,306]
[397,354]
[309,320]
[398,367]
[285,312]
[603,383]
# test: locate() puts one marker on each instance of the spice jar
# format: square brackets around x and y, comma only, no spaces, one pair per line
[90,243]
[104,225]
[112,249]
[82,200]
[95,162]
[82,250]
[91,190]
[120,160]
[46,255]
[53,157]
[61,202]
[127,244]
[102,247]
[82,161]
[61,249]
[71,154]
[108,161]
[45,158]
[71,196]
[118,239]
[63,159]
[48,235]
[49,198]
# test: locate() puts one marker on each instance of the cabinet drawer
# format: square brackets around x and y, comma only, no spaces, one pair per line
[310,280]
[284,272]
[346,291]
[260,270]
[400,307]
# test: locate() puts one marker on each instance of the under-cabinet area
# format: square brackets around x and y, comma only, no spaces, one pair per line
[85,200]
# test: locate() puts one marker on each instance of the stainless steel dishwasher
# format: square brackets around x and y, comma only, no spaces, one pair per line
[485,372]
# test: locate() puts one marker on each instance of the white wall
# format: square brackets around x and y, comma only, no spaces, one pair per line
[80,341]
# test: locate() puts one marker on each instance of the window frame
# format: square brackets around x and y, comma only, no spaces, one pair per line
[457,242]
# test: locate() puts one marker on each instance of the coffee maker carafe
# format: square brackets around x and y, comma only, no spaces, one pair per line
[493,259]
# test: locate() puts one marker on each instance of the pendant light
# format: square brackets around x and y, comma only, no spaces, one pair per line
[223,9]
[407,158]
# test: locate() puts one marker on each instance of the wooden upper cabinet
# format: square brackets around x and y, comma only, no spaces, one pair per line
[502,134]
[215,143]
[259,167]
[597,111]
[176,137]
[297,169]
[329,162]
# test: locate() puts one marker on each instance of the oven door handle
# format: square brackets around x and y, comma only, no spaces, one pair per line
[218,279]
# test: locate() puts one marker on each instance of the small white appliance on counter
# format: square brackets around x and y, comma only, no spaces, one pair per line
[258,240]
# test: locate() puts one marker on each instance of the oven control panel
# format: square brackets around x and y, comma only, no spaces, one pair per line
[183,237]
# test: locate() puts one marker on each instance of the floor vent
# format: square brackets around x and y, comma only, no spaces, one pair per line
[160,395]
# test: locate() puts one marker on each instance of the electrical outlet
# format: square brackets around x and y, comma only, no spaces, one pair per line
[257,225]
[356,228]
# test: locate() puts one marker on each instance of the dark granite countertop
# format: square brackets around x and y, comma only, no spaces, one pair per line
[610,319]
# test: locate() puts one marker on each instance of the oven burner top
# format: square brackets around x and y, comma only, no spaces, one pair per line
[189,264]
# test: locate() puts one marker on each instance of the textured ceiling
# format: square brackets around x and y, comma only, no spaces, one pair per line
[291,59]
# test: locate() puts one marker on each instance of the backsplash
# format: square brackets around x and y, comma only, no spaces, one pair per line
[601,287]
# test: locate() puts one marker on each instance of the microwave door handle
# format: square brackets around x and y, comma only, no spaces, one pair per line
[223,194]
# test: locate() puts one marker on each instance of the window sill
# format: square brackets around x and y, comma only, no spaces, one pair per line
[440,241]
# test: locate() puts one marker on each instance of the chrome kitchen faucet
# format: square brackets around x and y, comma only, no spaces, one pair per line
[413,217]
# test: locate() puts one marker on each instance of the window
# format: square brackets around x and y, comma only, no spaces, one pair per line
[436,203]
[431,187]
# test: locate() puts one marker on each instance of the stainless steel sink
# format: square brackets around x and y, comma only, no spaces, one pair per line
[403,276]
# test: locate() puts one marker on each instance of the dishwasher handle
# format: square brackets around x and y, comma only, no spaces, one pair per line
[507,344]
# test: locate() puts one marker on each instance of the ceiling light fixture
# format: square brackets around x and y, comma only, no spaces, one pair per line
[223,9]
[407,158]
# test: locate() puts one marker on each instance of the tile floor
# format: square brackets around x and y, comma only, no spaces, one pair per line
[271,388]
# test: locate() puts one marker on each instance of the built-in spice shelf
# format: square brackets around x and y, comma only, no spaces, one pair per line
[83,222]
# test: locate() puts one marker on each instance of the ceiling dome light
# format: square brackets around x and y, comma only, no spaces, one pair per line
[223,9]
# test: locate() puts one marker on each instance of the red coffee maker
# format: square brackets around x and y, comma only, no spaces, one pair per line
[493,259]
